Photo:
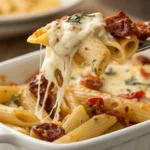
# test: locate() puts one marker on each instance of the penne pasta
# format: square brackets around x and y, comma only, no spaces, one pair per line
[40,36]
[18,117]
[19,129]
[71,100]
[135,111]
[96,126]
[115,127]
[95,53]
[6,93]
[76,118]
[27,98]
[130,45]
[65,109]
[117,52]
[78,59]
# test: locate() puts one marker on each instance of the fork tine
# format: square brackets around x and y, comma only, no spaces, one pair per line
[143,49]
[144,46]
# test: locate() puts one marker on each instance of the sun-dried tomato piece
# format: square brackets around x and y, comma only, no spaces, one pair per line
[92,82]
[93,101]
[33,87]
[119,25]
[120,117]
[142,30]
[48,131]
[143,60]
[99,108]
[144,73]
[137,96]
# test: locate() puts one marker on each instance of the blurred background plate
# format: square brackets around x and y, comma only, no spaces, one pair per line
[14,25]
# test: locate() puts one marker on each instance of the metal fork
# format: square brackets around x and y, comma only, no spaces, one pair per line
[144,46]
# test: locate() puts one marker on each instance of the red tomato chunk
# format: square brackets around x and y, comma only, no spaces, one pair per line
[137,96]
[99,108]
[92,82]
[48,131]
[144,73]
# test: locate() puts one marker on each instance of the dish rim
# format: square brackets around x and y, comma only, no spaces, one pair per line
[94,141]
[104,139]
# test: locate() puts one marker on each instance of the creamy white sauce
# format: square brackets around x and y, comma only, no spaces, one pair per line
[115,84]
[65,39]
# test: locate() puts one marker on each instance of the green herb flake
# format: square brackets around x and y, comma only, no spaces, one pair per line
[90,110]
[132,81]
[77,17]
[94,61]
[73,78]
[7,103]
[15,98]
[128,90]
[95,119]
[110,72]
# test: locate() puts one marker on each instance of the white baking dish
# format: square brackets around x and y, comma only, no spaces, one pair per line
[19,70]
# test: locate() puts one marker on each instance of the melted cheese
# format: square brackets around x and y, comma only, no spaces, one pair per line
[115,83]
[39,80]
[65,39]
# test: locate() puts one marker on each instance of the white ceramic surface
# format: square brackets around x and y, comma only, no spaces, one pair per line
[19,24]
[18,70]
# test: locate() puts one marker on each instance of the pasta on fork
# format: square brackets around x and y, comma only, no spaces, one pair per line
[78,94]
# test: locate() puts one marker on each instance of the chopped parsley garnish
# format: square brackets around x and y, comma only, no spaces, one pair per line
[110,72]
[14,100]
[128,90]
[77,17]
[95,118]
[73,78]
[94,61]
[132,81]
[7,103]
[90,110]
[95,71]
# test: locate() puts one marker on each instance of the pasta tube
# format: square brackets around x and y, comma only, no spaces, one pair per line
[117,52]
[19,129]
[135,111]
[77,117]
[28,101]
[18,117]
[115,127]
[40,36]
[95,53]
[6,93]
[130,45]
[71,100]
[94,127]
[65,109]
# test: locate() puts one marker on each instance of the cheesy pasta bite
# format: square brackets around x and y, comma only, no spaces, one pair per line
[76,95]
